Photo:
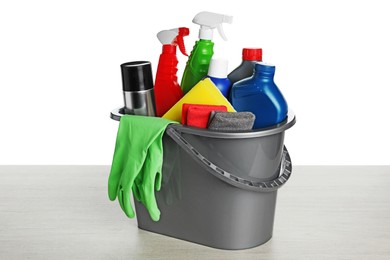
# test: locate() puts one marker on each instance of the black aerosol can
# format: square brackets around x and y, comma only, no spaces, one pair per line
[138,90]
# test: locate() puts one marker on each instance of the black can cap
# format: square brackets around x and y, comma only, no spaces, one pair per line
[137,76]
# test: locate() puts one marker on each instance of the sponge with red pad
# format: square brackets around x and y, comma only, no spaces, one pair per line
[197,115]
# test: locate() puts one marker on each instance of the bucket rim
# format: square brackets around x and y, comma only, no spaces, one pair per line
[276,129]
[261,132]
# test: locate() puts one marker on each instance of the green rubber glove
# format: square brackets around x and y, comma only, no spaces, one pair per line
[137,162]
[150,179]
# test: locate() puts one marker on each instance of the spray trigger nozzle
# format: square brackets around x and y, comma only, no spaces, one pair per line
[183,31]
[174,36]
[209,21]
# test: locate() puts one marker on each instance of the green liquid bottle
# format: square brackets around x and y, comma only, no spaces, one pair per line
[198,64]
[199,61]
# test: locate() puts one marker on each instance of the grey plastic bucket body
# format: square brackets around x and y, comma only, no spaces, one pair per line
[219,189]
[256,158]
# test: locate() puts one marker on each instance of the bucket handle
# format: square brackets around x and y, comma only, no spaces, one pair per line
[261,186]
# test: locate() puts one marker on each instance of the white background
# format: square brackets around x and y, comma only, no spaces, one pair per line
[60,74]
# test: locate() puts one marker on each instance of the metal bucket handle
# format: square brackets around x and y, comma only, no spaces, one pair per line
[261,186]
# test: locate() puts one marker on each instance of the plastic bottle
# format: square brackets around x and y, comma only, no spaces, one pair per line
[249,58]
[218,74]
[260,95]
[199,60]
[167,90]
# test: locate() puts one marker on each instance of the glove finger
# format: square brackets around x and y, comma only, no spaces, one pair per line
[113,184]
[139,181]
[136,192]
[147,189]
[132,176]
[127,204]
[117,166]
[120,198]
[114,179]
[130,172]
[157,158]
[150,199]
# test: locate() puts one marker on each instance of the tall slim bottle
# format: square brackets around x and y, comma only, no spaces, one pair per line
[166,88]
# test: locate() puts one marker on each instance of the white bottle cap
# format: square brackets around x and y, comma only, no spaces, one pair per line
[218,68]
[206,33]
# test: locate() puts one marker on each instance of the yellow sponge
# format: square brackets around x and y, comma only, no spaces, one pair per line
[205,92]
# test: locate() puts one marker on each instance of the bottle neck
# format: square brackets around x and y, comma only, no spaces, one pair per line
[205,41]
[205,33]
[169,49]
[264,71]
[264,74]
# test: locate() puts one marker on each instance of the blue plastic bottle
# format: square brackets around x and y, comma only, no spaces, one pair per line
[260,95]
[218,74]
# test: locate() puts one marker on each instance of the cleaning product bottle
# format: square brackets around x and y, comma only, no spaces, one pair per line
[260,95]
[218,74]
[199,60]
[167,90]
[249,58]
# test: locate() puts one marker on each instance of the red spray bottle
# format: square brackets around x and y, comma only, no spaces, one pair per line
[167,90]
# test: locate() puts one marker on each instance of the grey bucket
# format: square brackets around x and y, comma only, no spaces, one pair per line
[219,189]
